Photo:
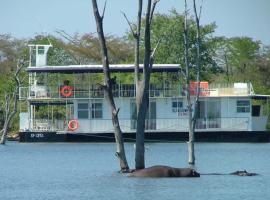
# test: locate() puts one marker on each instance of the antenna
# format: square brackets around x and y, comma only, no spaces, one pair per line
[49,41]
[45,34]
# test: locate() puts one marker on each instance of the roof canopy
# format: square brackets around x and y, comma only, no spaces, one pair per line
[99,68]
[260,97]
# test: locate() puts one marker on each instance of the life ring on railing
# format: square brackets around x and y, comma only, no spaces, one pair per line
[73,125]
[66,91]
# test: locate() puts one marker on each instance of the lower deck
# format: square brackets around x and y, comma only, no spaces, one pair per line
[164,115]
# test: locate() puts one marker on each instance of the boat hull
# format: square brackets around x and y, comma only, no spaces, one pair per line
[230,136]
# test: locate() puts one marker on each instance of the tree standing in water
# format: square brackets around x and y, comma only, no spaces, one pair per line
[142,81]
[192,116]
[107,87]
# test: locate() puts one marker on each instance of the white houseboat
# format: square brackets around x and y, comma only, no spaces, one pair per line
[66,103]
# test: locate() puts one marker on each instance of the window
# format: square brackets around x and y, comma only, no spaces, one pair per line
[96,110]
[41,50]
[83,111]
[243,106]
[256,109]
[176,105]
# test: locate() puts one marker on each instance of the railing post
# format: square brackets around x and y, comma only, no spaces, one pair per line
[89,91]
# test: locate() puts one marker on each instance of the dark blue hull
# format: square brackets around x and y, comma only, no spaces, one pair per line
[243,136]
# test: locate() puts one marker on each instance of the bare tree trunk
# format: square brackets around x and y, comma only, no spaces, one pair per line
[227,67]
[120,149]
[192,115]
[9,99]
[142,86]
[137,37]
[142,96]
[191,156]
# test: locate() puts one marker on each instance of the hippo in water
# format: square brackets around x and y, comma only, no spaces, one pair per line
[165,171]
[243,173]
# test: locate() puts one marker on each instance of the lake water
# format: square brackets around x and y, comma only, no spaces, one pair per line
[89,171]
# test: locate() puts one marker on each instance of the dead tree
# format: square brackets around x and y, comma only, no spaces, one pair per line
[192,116]
[142,81]
[10,105]
[120,149]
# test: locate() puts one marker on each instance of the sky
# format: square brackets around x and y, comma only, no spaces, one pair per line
[26,18]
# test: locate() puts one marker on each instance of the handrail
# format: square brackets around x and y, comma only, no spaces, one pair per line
[128,90]
[129,125]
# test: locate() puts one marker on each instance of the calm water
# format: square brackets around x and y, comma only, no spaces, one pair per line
[89,171]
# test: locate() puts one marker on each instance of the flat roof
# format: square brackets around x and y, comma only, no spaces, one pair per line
[260,96]
[99,68]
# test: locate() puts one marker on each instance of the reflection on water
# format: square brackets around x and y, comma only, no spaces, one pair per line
[89,171]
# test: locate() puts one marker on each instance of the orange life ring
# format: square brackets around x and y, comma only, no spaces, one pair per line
[73,125]
[66,91]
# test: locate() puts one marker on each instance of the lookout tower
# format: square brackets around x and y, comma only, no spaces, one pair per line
[38,55]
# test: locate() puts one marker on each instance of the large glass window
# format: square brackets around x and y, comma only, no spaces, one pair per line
[243,106]
[96,110]
[209,115]
[83,111]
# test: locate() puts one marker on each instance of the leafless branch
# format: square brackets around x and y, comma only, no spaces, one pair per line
[135,35]
[102,86]
[154,50]
[153,54]
[137,46]
[195,12]
[200,10]
[104,9]
[117,111]
[198,60]
[153,9]
[68,37]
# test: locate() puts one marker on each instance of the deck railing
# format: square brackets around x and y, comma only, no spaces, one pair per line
[158,125]
[91,91]
[230,89]
[128,90]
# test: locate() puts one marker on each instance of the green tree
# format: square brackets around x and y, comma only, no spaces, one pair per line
[85,48]
[10,50]
[243,53]
[169,29]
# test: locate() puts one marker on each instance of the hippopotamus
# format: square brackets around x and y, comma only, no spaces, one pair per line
[236,173]
[243,173]
[165,171]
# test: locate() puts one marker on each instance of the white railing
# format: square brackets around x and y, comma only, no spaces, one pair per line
[159,125]
[91,91]
[230,89]
[128,90]
[48,125]
[228,123]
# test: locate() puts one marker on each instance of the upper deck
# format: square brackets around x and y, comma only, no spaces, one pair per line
[82,82]
[90,91]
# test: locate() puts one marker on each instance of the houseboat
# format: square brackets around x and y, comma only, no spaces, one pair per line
[66,103]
